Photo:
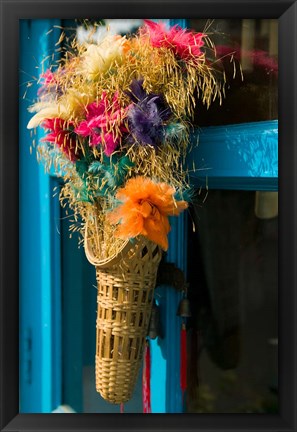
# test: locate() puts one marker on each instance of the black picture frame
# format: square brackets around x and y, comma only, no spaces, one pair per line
[11,11]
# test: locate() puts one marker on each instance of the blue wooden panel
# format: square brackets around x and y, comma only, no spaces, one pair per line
[242,156]
[39,249]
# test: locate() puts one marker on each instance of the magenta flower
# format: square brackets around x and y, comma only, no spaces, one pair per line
[62,135]
[48,77]
[184,43]
[103,124]
[48,80]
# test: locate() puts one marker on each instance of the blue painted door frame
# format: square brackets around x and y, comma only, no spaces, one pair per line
[241,156]
[39,243]
[236,156]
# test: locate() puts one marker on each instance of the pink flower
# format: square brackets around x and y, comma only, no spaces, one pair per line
[48,77]
[184,43]
[103,124]
[48,80]
[62,135]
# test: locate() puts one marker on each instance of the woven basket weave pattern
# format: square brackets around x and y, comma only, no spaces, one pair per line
[125,294]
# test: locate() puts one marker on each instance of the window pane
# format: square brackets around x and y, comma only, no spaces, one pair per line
[253,44]
[234,298]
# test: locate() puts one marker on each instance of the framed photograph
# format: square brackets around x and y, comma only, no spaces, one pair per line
[148,221]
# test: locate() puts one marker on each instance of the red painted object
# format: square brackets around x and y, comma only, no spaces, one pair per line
[146,380]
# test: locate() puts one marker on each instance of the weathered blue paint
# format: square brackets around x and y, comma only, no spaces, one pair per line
[39,277]
[242,156]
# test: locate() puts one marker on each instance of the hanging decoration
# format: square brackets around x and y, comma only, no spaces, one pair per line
[146,379]
[117,117]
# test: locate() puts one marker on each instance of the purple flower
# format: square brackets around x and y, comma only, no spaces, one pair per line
[147,116]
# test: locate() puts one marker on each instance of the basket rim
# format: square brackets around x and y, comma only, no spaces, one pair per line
[106,262]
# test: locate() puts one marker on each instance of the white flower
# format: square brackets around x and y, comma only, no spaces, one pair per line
[46,111]
[98,58]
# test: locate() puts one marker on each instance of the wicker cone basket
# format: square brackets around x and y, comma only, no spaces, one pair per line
[126,285]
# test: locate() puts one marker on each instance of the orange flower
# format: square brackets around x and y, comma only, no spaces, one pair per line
[145,208]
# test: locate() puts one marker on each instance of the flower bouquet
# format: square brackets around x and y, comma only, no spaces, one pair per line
[118,114]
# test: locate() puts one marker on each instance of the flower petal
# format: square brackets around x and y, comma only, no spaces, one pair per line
[144,210]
